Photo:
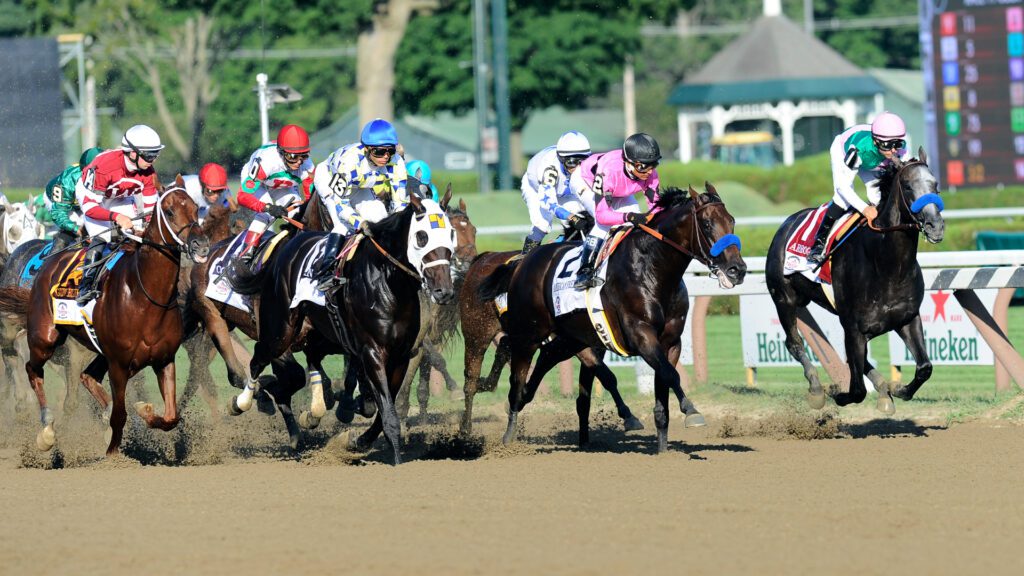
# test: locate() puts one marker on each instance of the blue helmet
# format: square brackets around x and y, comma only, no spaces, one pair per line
[379,132]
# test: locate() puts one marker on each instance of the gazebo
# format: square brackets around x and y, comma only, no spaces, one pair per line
[777,72]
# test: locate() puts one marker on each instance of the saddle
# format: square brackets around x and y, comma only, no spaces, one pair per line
[799,243]
[70,278]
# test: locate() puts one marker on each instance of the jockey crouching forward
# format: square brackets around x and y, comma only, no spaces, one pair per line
[106,192]
[62,201]
[606,184]
[863,151]
[546,189]
[359,183]
[205,188]
[277,176]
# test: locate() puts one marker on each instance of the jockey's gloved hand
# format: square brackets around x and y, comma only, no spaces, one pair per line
[636,218]
[870,213]
[364,228]
[581,221]
[275,210]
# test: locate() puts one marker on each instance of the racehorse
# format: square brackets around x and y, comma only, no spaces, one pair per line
[481,325]
[647,300]
[136,319]
[877,282]
[439,323]
[373,317]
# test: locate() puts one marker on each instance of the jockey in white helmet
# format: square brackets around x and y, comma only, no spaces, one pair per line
[546,188]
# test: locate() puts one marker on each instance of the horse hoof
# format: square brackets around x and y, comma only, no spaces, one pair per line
[108,435]
[695,420]
[308,421]
[632,423]
[900,392]
[144,410]
[346,412]
[816,401]
[265,403]
[317,407]
[233,408]
[106,415]
[46,438]
[885,405]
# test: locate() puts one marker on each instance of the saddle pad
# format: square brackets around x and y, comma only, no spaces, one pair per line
[69,313]
[218,286]
[564,297]
[69,279]
[799,243]
[34,264]
[305,288]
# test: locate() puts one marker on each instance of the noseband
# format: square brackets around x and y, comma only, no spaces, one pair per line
[915,208]
[707,249]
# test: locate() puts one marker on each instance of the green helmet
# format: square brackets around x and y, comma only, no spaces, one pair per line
[88,156]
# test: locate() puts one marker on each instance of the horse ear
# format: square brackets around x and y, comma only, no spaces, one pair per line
[179,181]
[462,203]
[416,204]
[693,193]
[447,198]
[419,174]
[710,188]
[921,155]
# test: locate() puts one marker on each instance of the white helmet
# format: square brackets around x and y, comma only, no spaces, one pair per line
[573,144]
[141,139]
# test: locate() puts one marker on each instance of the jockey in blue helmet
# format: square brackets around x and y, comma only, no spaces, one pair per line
[420,170]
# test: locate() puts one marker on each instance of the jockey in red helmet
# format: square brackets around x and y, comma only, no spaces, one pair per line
[205,188]
[275,181]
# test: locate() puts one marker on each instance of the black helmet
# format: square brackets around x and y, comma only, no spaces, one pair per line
[641,148]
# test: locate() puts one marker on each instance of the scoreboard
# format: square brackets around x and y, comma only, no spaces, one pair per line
[973,59]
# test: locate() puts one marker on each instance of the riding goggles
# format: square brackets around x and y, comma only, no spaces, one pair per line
[571,162]
[295,156]
[147,155]
[643,166]
[886,145]
[381,152]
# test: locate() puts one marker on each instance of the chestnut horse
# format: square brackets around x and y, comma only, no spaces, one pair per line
[136,318]
[647,302]
[376,318]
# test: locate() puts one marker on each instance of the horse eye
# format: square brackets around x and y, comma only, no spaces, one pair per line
[421,239]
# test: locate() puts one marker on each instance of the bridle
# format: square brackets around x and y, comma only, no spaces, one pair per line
[915,208]
[173,252]
[707,250]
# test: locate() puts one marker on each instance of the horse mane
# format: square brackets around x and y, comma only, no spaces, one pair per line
[391,226]
[674,196]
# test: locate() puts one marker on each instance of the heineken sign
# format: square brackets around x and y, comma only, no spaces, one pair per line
[764,340]
[950,337]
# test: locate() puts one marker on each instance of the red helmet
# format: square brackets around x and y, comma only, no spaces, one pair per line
[293,139]
[213,176]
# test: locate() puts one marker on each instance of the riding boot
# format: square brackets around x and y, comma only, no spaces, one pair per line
[817,254]
[585,277]
[529,244]
[86,289]
[249,243]
[324,272]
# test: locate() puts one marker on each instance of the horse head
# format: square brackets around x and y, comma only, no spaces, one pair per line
[465,236]
[910,195]
[176,223]
[703,228]
[430,244]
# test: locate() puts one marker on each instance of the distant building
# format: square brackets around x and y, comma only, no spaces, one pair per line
[775,78]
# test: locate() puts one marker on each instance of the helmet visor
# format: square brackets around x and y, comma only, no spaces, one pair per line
[147,155]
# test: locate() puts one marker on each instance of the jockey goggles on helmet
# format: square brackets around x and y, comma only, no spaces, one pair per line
[294,156]
[381,151]
[147,155]
[571,162]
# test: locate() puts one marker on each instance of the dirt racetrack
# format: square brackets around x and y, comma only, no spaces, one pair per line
[740,496]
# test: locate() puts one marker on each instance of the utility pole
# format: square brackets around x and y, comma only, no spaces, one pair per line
[629,96]
[480,80]
[499,37]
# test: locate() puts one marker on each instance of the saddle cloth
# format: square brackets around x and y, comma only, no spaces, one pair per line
[218,286]
[64,293]
[799,243]
[306,289]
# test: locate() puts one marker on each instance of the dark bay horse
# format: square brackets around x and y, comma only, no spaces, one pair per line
[877,283]
[377,316]
[136,318]
[647,302]
[481,326]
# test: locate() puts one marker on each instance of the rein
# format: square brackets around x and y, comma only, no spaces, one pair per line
[705,256]
[394,260]
[173,253]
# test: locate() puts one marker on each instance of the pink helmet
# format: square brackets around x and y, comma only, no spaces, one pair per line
[888,126]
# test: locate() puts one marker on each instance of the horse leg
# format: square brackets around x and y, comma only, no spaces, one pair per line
[550,356]
[346,409]
[317,405]
[290,378]
[391,423]
[912,335]
[472,361]
[243,402]
[502,356]
[884,403]
[856,354]
[198,368]
[165,377]
[583,404]
[596,367]
[402,398]
[218,330]
[423,391]
[38,356]
[12,357]
[118,414]
[90,377]
[795,345]
[438,363]
[665,376]
[521,356]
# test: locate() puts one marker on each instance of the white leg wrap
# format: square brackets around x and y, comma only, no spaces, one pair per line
[317,407]
[244,400]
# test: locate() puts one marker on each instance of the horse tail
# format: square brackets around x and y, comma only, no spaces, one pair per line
[245,281]
[496,282]
[15,300]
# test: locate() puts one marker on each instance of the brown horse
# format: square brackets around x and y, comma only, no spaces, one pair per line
[481,325]
[647,299]
[137,321]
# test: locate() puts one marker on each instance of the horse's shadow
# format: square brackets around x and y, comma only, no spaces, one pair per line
[612,440]
[887,428]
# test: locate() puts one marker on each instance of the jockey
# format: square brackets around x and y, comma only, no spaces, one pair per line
[60,197]
[106,192]
[606,184]
[546,189]
[864,151]
[421,171]
[359,183]
[275,181]
[205,188]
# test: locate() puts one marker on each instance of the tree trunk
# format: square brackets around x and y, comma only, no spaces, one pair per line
[375,59]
